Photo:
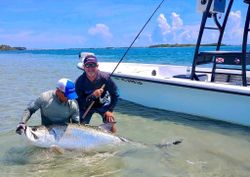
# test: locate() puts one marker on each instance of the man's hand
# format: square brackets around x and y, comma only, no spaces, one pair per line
[98,92]
[20,128]
[109,116]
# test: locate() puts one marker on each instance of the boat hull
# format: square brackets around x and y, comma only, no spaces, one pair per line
[206,102]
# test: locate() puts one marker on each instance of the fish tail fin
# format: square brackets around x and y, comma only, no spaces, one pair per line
[167,144]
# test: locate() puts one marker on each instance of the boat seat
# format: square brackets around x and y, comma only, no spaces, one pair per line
[222,57]
[233,79]
[198,77]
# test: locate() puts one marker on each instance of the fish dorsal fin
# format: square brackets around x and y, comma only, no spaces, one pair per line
[107,127]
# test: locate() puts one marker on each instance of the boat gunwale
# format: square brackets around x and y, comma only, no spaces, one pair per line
[180,83]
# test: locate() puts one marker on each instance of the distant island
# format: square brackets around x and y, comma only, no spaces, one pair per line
[7,47]
[182,45]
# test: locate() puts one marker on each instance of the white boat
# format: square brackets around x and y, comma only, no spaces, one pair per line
[219,92]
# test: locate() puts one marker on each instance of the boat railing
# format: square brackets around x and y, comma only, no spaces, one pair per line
[222,59]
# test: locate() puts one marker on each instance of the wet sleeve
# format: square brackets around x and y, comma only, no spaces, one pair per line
[112,88]
[75,112]
[33,106]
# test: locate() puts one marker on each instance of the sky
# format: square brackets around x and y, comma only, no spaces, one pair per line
[56,24]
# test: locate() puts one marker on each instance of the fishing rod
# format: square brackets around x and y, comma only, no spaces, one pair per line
[125,53]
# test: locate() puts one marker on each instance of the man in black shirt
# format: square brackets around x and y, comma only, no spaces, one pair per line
[88,89]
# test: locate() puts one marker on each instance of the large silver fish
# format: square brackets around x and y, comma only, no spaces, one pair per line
[71,136]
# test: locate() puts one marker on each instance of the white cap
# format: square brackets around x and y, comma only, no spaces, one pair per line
[67,87]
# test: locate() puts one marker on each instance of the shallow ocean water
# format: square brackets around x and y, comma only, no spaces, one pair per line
[209,148]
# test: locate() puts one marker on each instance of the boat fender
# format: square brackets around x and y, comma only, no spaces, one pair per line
[153,73]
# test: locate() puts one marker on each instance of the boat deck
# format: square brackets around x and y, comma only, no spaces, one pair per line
[228,77]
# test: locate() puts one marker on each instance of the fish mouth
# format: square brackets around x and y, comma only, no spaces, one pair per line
[34,135]
[30,132]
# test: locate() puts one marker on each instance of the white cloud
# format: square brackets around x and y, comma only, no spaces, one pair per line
[163,24]
[188,34]
[177,32]
[177,22]
[169,33]
[234,31]
[235,18]
[102,30]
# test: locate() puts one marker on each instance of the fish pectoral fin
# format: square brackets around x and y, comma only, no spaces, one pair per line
[56,149]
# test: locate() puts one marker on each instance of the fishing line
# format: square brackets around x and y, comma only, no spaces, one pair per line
[136,37]
[125,53]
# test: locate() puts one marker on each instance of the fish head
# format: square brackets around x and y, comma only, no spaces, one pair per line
[39,135]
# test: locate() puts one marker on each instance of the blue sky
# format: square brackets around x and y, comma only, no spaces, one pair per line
[103,23]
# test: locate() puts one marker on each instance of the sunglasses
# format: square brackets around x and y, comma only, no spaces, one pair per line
[90,65]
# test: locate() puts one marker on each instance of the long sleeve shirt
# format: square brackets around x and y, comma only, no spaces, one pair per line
[52,110]
[85,88]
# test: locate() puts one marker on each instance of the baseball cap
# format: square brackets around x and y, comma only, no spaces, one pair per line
[90,59]
[82,55]
[68,88]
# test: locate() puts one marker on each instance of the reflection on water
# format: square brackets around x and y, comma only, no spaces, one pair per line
[132,109]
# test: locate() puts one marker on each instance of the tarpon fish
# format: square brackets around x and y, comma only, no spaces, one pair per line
[71,136]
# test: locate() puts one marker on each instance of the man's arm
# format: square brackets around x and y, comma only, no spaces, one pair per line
[75,112]
[31,109]
[112,88]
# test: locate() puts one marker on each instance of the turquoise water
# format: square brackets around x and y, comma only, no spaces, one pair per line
[209,148]
[174,55]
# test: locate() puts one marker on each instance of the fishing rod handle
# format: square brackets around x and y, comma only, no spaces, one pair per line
[90,106]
